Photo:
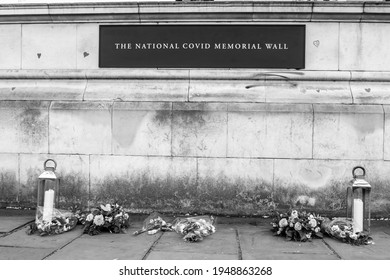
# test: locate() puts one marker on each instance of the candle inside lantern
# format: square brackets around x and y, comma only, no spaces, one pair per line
[48,205]
[357,215]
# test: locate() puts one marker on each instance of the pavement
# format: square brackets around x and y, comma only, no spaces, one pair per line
[234,239]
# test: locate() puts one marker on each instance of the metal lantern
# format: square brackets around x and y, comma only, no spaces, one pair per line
[48,191]
[358,201]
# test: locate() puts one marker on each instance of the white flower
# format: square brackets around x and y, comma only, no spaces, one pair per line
[298,226]
[98,220]
[342,234]
[353,236]
[317,229]
[89,217]
[106,208]
[311,217]
[313,223]
[283,223]
[335,228]
[294,214]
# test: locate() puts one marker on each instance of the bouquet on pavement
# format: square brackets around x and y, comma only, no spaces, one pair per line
[343,229]
[153,224]
[194,229]
[109,217]
[298,226]
[60,222]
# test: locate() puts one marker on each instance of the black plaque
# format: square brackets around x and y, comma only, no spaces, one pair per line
[202,46]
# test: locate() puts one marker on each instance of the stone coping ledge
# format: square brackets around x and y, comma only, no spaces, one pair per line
[195,74]
[197,11]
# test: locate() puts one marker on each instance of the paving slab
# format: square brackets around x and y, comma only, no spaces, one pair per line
[380,250]
[8,224]
[21,239]
[169,255]
[107,246]
[259,243]
[23,253]
[220,245]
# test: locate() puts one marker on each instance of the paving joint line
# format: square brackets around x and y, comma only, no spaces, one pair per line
[152,247]
[15,229]
[55,251]
[333,250]
[238,245]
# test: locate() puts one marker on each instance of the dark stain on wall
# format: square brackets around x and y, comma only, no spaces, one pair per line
[34,126]
[8,188]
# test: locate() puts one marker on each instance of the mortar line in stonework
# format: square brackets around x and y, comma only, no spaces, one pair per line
[56,250]
[48,126]
[331,249]
[384,131]
[239,250]
[19,184]
[152,247]
[312,132]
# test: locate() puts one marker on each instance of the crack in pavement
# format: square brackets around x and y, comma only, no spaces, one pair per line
[56,250]
[239,250]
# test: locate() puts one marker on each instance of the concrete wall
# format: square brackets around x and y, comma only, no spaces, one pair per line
[224,141]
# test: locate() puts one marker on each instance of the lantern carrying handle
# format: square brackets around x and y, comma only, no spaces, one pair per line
[55,164]
[358,167]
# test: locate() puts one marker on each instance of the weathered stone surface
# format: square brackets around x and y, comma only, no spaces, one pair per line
[145,183]
[49,46]
[10,46]
[199,129]
[23,126]
[226,91]
[322,46]
[270,130]
[42,89]
[322,184]
[87,46]
[137,90]
[24,253]
[9,223]
[141,128]
[364,46]
[80,128]
[348,132]
[371,92]
[387,133]
[53,242]
[9,178]
[291,91]
[378,251]
[235,186]
[73,171]
[107,246]
[221,245]
[270,247]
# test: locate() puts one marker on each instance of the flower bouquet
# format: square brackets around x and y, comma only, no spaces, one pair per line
[61,222]
[298,226]
[342,229]
[194,229]
[109,217]
[153,224]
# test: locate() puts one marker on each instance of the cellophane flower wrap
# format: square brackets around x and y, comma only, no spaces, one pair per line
[342,229]
[297,226]
[153,224]
[110,217]
[194,229]
[62,221]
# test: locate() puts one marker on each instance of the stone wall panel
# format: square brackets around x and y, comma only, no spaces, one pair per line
[80,128]
[24,126]
[348,132]
[142,128]
[199,129]
[270,130]
[10,46]
[49,46]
